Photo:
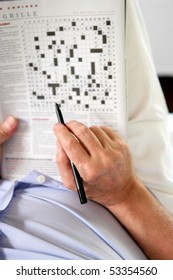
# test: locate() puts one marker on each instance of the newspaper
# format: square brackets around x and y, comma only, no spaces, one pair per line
[69,52]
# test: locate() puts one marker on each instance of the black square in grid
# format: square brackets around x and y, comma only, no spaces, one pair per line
[62,42]
[71,52]
[36,39]
[42,55]
[80,59]
[78,102]
[55,61]
[108,22]
[54,42]
[50,47]
[106,93]
[102,102]
[75,46]
[58,51]
[37,47]
[65,79]
[83,37]
[95,27]
[86,106]
[61,28]
[67,59]
[72,70]
[73,23]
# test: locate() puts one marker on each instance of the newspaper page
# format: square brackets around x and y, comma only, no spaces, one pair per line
[69,52]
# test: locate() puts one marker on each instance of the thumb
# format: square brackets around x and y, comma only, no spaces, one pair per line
[7,128]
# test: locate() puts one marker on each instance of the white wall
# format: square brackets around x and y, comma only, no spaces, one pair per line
[158,16]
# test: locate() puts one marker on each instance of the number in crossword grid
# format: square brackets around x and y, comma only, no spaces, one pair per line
[71,61]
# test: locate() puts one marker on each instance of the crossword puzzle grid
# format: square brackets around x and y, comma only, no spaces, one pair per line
[71,61]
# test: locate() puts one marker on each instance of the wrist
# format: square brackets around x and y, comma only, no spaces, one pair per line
[128,196]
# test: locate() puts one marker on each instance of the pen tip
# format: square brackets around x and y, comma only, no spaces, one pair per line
[57,105]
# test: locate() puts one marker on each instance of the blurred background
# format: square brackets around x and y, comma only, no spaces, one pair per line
[158,16]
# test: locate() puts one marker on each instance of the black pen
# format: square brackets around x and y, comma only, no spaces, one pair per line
[77,177]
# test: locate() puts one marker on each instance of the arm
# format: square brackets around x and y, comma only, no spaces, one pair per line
[148,222]
[104,162]
[7,129]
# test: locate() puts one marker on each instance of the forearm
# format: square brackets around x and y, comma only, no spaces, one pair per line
[148,223]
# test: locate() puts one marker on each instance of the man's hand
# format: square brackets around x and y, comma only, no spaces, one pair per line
[102,159]
[7,129]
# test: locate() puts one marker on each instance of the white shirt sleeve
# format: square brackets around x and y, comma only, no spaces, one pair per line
[148,133]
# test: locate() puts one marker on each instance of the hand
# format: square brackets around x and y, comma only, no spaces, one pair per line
[102,159]
[7,129]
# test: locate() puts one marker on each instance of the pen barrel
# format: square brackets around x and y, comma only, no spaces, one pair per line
[59,115]
[79,184]
[77,177]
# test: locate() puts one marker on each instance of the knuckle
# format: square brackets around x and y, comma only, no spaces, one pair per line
[103,164]
[3,136]
[3,133]
[125,153]
[93,127]
[83,132]
[108,163]
[59,158]
[91,175]
[71,144]
[58,128]
[72,125]
[89,171]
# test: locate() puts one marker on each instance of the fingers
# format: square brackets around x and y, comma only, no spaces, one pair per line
[103,136]
[80,143]
[7,128]
[64,167]
[85,135]
[74,148]
[112,135]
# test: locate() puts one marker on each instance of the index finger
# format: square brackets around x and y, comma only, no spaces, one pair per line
[74,150]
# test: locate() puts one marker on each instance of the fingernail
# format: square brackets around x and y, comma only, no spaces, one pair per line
[9,123]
